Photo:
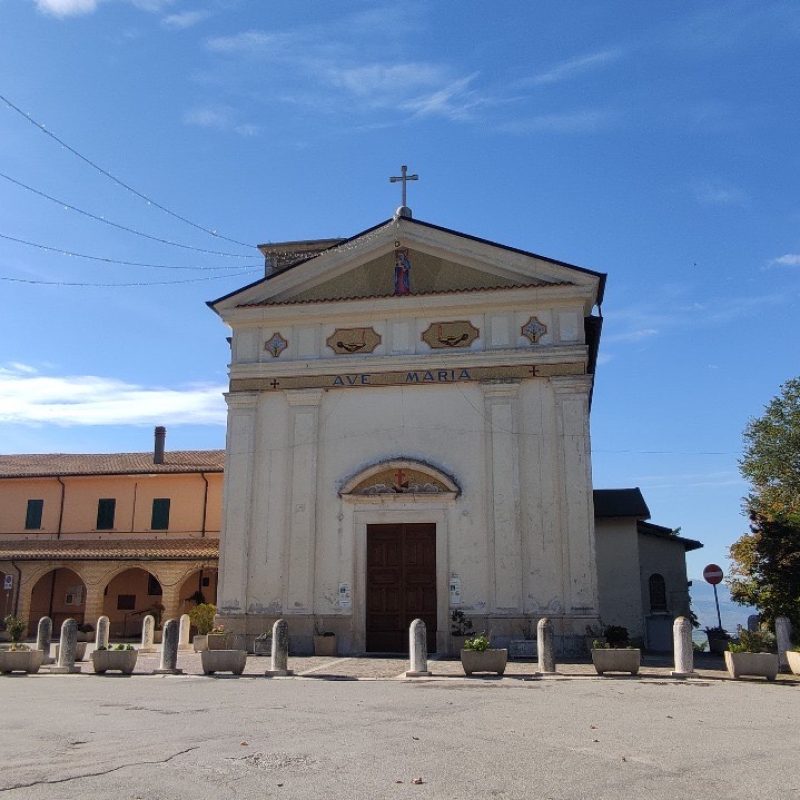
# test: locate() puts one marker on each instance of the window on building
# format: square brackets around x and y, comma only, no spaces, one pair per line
[105,513]
[126,602]
[658,593]
[206,582]
[153,586]
[159,521]
[33,516]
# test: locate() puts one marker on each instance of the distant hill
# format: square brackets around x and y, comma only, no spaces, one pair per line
[732,614]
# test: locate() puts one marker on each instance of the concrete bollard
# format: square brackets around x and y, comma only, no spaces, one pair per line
[783,635]
[545,646]
[148,634]
[417,650]
[44,633]
[280,651]
[683,648]
[183,636]
[101,632]
[66,648]
[169,649]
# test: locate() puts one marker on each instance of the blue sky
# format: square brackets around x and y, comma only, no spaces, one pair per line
[654,142]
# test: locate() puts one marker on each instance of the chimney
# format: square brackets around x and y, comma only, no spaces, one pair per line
[158,451]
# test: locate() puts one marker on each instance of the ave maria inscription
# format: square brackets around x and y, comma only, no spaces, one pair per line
[417,377]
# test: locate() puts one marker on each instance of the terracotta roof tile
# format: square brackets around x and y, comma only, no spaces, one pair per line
[51,464]
[109,549]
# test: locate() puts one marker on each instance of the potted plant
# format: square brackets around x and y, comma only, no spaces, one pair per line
[718,639]
[524,648]
[477,656]
[616,654]
[19,657]
[793,657]
[120,657]
[324,641]
[85,631]
[752,655]
[202,617]
[460,629]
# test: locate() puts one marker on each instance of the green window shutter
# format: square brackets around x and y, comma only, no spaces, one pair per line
[33,516]
[105,513]
[160,518]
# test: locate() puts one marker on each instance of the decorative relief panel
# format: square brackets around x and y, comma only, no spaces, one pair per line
[275,345]
[444,335]
[353,340]
[534,330]
[401,481]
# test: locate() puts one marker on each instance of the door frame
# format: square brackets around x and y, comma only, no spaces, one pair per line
[432,514]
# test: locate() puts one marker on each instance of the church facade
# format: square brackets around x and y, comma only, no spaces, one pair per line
[408,435]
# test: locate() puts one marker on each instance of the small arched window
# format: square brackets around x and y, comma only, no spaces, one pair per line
[658,593]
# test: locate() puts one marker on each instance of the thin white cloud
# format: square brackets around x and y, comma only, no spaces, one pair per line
[221,118]
[66,8]
[253,42]
[714,193]
[184,19]
[28,397]
[788,260]
[584,121]
[575,66]
[387,78]
[630,337]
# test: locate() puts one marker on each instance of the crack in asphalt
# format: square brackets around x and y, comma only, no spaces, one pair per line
[95,774]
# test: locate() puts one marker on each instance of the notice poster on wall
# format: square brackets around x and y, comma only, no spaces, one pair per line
[455,590]
[345,598]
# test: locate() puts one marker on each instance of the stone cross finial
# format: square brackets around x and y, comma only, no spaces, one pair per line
[404,177]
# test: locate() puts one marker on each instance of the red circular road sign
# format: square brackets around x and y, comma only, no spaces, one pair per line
[713,574]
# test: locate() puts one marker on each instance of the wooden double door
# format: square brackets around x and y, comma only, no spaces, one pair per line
[401,585]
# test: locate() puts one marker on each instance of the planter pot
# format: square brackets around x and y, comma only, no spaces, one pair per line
[793,657]
[80,651]
[217,641]
[223,661]
[262,647]
[21,661]
[765,665]
[324,645]
[122,660]
[200,643]
[616,660]
[487,661]
[718,646]
[522,649]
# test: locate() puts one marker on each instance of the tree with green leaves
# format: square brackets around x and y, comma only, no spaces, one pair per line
[766,562]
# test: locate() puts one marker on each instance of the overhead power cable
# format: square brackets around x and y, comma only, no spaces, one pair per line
[117,224]
[146,198]
[85,284]
[62,252]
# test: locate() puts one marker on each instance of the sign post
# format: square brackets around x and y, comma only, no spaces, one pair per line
[713,575]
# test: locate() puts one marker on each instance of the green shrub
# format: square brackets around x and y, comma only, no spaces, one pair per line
[202,617]
[15,626]
[479,643]
[753,642]
[616,636]
[460,623]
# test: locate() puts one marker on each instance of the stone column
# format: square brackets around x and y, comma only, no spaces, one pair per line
[169,649]
[684,651]
[545,646]
[66,648]
[783,634]
[183,633]
[101,632]
[280,650]
[43,635]
[171,600]
[418,650]
[148,633]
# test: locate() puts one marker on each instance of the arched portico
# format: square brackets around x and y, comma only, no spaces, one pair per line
[128,596]
[59,594]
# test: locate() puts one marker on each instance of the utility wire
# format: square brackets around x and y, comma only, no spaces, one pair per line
[72,253]
[107,285]
[148,200]
[117,224]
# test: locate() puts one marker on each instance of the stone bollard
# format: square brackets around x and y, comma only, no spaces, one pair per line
[280,651]
[66,648]
[545,646]
[101,633]
[183,636]
[169,649]
[148,634]
[683,648]
[417,650]
[44,633]
[783,634]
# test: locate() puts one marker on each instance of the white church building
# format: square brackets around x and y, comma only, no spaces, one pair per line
[408,434]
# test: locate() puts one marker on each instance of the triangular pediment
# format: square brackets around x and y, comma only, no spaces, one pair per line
[438,261]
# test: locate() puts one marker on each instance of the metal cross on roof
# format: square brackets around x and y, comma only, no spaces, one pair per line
[404,177]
